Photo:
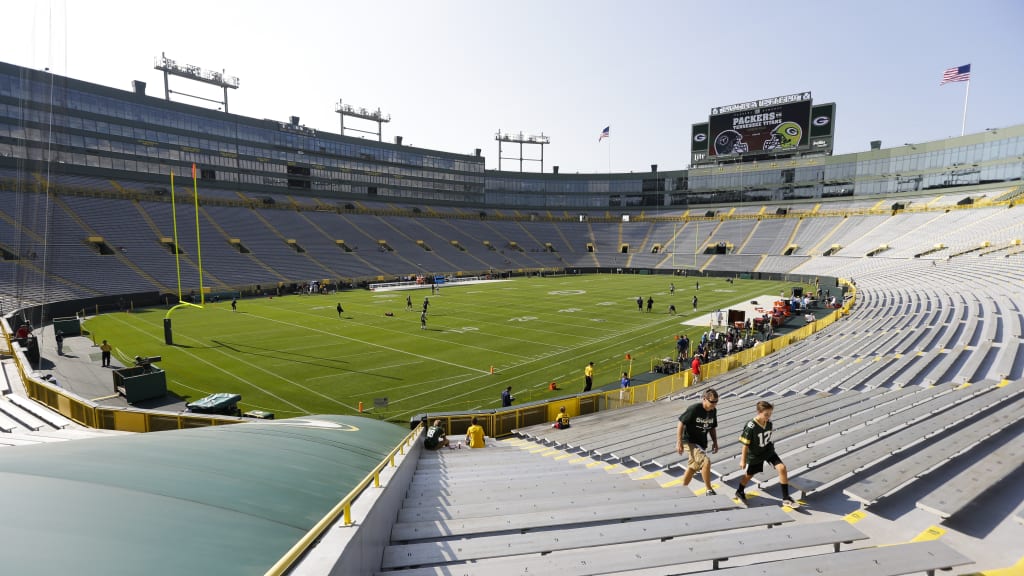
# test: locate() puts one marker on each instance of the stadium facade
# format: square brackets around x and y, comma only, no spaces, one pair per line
[111,133]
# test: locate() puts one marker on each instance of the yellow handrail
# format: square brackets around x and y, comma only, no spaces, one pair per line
[342,507]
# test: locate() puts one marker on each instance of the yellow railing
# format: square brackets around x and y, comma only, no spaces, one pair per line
[88,414]
[342,508]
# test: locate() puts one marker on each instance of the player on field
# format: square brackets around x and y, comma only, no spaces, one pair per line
[340,309]
[408,302]
[758,448]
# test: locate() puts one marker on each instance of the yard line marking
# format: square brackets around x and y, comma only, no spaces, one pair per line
[367,370]
[369,344]
[216,367]
[444,331]
[542,367]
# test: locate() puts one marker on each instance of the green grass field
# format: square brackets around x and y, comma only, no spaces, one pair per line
[294,356]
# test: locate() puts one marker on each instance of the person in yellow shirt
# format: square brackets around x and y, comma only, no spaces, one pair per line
[562,420]
[105,349]
[588,376]
[475,435]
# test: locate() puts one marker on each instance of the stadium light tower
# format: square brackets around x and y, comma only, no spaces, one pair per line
[520,138]
[364,114]
[171,68]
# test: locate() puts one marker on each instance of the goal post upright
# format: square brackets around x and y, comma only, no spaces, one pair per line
[168,332]
[696,244]
[199,245]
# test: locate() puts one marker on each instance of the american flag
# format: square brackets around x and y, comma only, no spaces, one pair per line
[957,74]
[604,134]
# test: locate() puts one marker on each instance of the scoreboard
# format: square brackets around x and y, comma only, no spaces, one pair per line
[769,127]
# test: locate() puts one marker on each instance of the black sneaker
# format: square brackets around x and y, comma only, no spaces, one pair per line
[742,496]
[711,492]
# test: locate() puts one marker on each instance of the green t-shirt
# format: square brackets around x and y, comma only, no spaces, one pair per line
[697,422]
[758,439]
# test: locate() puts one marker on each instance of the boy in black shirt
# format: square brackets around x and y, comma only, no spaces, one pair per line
[692,436]
[758,448]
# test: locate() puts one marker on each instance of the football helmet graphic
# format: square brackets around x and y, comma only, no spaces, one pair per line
[785,135]
[730,142]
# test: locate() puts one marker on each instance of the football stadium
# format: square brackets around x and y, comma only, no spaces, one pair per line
[239,345]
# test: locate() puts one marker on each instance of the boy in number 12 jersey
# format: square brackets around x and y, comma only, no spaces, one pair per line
[758,448]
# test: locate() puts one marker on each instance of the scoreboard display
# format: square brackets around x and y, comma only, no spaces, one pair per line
[765,127]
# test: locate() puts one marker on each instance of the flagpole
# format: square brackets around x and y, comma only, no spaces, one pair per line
[963,125]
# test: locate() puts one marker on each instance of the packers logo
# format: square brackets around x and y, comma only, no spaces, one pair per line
[821,121]
[700,137]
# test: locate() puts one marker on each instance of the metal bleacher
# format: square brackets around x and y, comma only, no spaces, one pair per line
[533,515]
[926,372]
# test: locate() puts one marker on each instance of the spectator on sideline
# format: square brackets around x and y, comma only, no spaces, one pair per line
[758,448]
[695,423]
[588,377]
[105,354]
[60,342]
[506,397]
[475,435]
[695,368]
[562,420]
[435,437]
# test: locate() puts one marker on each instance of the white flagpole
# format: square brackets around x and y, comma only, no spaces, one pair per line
[963,125]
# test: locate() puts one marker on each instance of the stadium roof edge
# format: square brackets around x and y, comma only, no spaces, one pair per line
[234,498]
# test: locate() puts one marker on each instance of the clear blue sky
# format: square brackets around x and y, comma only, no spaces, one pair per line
[452,73]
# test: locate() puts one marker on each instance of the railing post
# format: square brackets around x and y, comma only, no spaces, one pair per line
[376,478]
[348,514]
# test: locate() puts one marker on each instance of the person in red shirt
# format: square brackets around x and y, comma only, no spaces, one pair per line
[695,368]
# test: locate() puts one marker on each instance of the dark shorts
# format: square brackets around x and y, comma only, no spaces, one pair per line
[756,466]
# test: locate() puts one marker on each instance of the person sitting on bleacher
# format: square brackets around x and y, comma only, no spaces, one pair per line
[562,420]
[435,437]
[475,435]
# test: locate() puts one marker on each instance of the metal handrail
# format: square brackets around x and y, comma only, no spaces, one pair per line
[344,507]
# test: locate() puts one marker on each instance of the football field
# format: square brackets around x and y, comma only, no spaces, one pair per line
[294,355]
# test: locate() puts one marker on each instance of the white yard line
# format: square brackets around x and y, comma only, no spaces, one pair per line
[215,367]
[370,344]
[617,344]
[448,329]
